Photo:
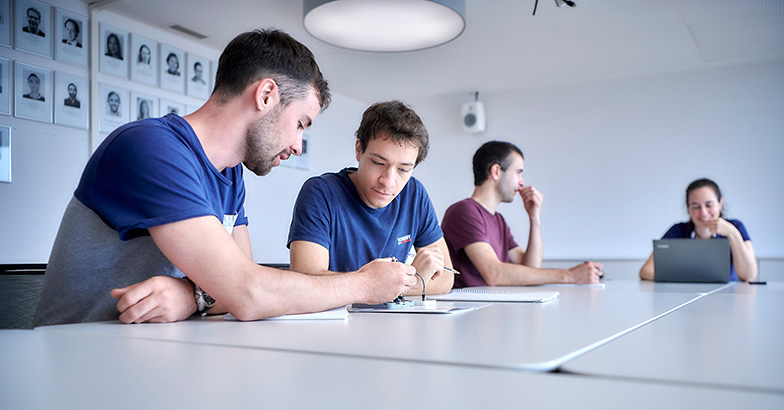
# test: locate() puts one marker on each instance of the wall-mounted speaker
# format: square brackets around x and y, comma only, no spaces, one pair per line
[473,117]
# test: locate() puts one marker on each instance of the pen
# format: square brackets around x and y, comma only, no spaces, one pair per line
[456,272]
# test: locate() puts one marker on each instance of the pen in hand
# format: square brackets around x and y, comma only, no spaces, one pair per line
[455,271]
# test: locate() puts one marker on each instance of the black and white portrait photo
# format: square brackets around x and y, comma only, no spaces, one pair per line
[144,106]
[115,107]
[172,68]
[5,22]
[113,51]
[144,60]
[33,92]
[73,98]
[198,76]
[5,86]
[71,37]
[32,27]
[71,93]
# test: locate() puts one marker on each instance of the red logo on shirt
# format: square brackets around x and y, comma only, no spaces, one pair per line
[403,239]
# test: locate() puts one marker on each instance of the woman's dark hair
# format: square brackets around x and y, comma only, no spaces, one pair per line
[273,54]
[702,183]
[489,154]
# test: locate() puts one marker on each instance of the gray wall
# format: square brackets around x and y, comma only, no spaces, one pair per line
[612,160]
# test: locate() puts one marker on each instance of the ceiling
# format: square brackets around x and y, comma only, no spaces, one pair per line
[504,47]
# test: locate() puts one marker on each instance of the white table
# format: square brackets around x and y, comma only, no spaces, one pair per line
[52,370]
[525,336]
[732,339]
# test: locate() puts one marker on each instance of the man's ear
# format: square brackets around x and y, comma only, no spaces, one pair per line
[495,172]
[358,149]
[267,94]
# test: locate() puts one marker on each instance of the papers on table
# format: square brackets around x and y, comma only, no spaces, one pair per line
[338,313]
[496,295]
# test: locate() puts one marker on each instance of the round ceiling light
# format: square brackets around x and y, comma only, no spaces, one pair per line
[385,25]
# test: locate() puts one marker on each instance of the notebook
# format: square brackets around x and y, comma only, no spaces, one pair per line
[692,260]
[495,295]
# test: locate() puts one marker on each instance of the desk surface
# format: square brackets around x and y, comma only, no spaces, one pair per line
[729,339]
[505,335]
[68,370]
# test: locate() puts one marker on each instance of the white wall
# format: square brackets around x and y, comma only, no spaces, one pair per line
[612,159]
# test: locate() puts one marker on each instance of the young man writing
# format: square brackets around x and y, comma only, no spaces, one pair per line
[345,221]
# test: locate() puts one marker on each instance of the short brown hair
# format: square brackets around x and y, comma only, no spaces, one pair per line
[399,122]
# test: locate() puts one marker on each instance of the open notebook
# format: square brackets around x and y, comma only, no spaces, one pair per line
[495,295]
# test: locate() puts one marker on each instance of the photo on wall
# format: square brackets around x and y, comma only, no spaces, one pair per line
[113,51]
[32,32]
[198,77]
[5,153]
[71,100]
[144,60]
[33,92]
[144,106]
[171,107]
[5,86]
[172,71]
[71,37]
[5,22]
[112,106]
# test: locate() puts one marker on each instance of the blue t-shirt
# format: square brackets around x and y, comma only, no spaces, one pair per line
[153,172]
[685,229]
[330,212]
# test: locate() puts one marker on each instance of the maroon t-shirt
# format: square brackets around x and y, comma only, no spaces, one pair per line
[468,222]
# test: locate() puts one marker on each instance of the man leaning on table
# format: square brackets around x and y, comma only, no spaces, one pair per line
[158,223]
[480,242]
[346,221]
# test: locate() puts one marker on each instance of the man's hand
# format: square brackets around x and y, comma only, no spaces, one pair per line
[160,299]
[383,280]
[585,273]
[429,262]
[532,200]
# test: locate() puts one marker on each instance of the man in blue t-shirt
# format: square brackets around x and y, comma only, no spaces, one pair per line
[346,221]
[157,231]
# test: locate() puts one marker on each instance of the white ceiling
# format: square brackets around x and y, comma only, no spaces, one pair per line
[504,47]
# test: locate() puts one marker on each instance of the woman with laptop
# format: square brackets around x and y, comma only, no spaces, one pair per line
[704,202]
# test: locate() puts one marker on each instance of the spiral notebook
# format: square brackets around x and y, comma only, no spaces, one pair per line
[496,295]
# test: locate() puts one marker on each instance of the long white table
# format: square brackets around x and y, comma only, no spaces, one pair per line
[61,370]
[524,336]
[730,339]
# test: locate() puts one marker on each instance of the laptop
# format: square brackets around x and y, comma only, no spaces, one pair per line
[692,260]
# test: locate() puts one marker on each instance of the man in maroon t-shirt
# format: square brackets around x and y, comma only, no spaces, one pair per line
[480,243]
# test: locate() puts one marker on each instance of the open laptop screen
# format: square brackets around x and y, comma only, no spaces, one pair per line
[692,260]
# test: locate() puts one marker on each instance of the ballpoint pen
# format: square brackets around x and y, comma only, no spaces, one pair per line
[455,271]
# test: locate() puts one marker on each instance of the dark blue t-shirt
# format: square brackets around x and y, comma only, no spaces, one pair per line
[685,229]
[330,212]
[153,172]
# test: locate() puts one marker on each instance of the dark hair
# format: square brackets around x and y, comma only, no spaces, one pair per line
[270,53]
[173,55]
[34,10]
[398,122]
[33,75]
[78,30]
[702,183]
[489,154]
[139,58]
